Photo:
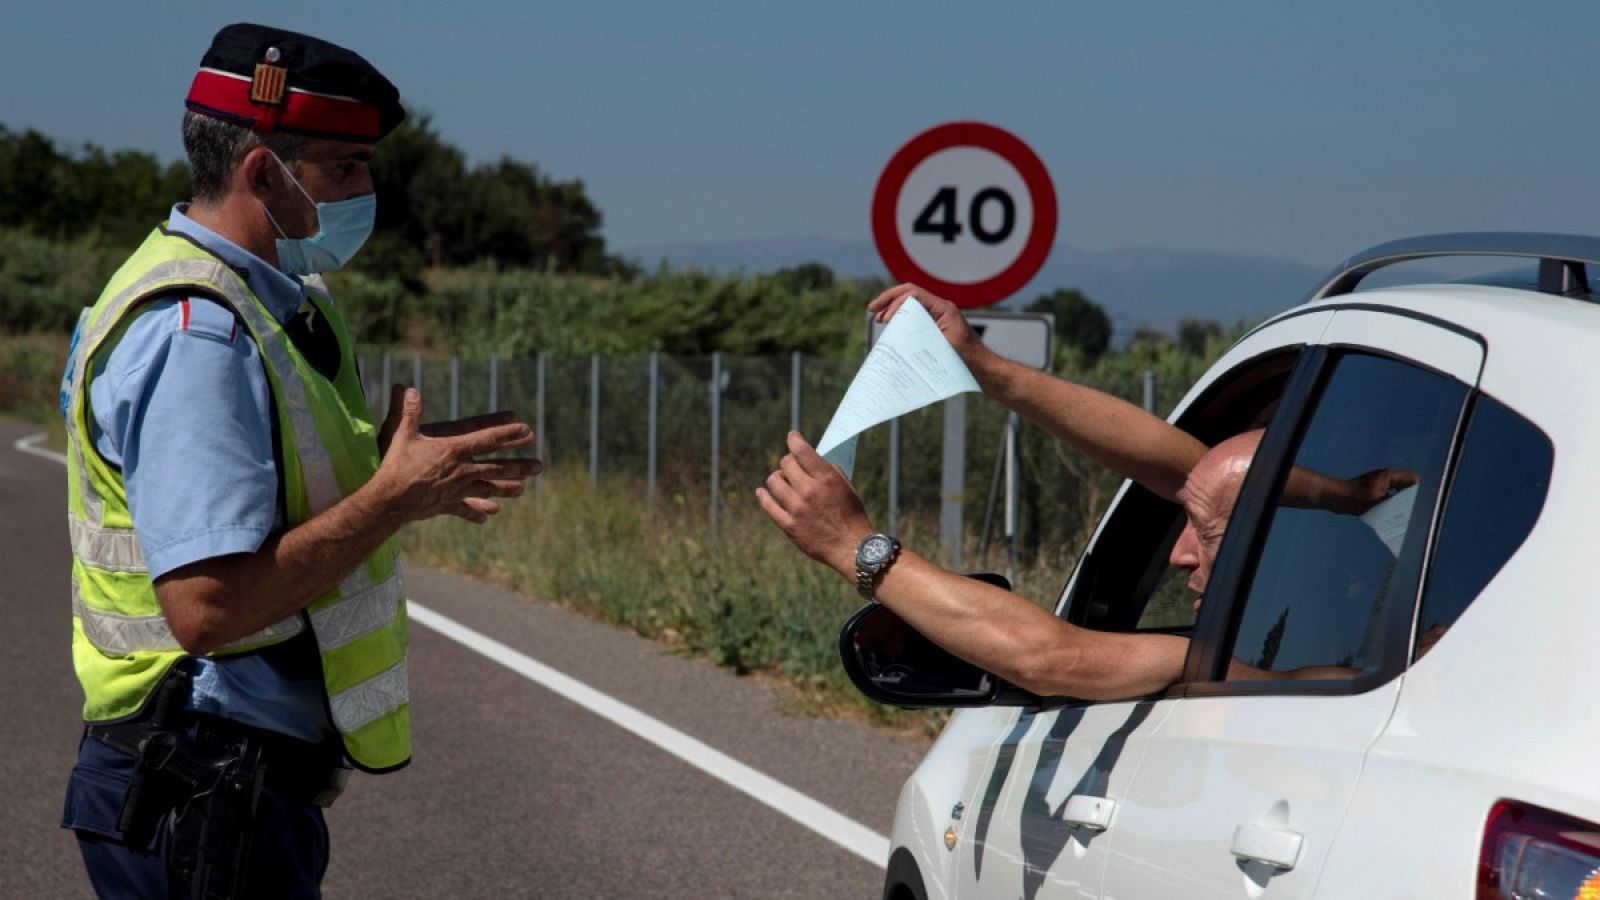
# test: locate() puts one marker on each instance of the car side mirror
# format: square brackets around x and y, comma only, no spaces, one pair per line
[892,663]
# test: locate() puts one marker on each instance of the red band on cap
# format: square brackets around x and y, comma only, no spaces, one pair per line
[227,96]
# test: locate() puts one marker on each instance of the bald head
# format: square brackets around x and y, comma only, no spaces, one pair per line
[1223,467]
[1208,495]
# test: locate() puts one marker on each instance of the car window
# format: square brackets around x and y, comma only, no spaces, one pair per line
[1124,583]
[1494,498]
[1324,583]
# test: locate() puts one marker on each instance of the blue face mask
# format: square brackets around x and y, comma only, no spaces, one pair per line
[342,227]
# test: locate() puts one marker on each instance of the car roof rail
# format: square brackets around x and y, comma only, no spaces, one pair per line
[1563,258]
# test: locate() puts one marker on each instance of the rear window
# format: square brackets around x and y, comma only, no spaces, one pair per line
[1494,498]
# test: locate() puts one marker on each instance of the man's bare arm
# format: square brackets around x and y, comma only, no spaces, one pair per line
[989,627]
[1111,431]
[1021,642]
[215,601]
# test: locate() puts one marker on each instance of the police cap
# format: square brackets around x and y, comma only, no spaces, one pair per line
[271,80]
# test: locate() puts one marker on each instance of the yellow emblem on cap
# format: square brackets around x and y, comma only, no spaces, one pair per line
[269,84]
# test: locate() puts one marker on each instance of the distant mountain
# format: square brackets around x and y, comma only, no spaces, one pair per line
[1151,286]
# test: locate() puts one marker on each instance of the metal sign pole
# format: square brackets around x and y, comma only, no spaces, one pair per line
[796,373]
[1013,422]
[894,474]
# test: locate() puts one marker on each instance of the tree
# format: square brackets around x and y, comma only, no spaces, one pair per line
[1080,322]
[1195,334]
[1273,641]
[1150,335]
[506,212]
[118,197]
[808,276]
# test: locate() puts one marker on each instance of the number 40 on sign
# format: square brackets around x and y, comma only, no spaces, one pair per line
[966,210]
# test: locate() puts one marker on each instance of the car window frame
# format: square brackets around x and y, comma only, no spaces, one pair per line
[1207,420]
[1218,622]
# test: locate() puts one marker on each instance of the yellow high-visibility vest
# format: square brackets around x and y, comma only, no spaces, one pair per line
[121,643]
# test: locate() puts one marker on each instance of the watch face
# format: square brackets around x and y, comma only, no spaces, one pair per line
[875,550]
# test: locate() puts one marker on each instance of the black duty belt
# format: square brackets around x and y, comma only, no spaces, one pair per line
[296,769]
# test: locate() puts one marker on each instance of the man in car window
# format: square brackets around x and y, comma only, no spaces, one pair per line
[998,630]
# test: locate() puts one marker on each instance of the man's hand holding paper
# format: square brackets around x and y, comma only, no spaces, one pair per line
[912,365]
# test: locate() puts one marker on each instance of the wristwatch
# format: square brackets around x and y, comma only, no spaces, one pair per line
[873,555]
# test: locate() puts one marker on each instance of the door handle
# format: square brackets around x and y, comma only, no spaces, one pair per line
[1091,813]
[1277,847]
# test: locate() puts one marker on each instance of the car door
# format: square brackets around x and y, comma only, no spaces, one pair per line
[1037,822]
[1294,666]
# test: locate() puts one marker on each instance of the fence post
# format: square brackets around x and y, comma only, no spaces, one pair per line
[543,444]
[455,386]
[1149,390]
[494,384]
[716,435]
[953,479]
[796,371]
[594,421]
[388,382]
[653,427]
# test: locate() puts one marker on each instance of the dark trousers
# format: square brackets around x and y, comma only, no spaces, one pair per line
[288,858]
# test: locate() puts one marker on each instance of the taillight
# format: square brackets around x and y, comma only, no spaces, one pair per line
[1531,852]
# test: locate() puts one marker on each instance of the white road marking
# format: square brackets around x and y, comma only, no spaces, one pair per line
[820,818]
[29,445]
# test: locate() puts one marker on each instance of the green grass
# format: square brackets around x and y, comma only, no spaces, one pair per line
[742,597]
[30,378]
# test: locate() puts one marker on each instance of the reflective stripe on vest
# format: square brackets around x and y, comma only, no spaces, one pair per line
[365,609]
[115,634]
[371,700]
[111,549]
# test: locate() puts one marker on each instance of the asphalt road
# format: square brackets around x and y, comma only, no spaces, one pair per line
[514,790]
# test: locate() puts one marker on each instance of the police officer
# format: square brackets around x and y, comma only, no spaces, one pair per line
[238,610]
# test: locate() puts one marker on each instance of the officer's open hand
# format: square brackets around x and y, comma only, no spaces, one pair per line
[811,500]
[444,468]
[952,324]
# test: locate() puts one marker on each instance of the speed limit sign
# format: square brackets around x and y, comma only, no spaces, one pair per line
[966,210]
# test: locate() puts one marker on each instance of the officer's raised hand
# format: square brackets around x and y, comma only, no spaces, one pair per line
[441,468]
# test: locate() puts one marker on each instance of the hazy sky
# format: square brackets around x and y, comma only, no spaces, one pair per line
[1267,127]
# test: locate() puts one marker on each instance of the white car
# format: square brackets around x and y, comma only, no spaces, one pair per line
[1450,753]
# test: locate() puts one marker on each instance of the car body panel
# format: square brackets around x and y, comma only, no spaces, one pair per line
[1086,750]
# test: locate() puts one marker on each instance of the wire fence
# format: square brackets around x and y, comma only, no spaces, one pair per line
[704,431]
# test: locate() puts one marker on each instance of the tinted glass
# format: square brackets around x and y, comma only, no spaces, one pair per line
[1324,580]
[1495,496]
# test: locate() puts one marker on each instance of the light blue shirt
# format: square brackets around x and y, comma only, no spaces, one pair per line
[181,404]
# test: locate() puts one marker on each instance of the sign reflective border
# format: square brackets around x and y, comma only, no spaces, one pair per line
[965,210]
